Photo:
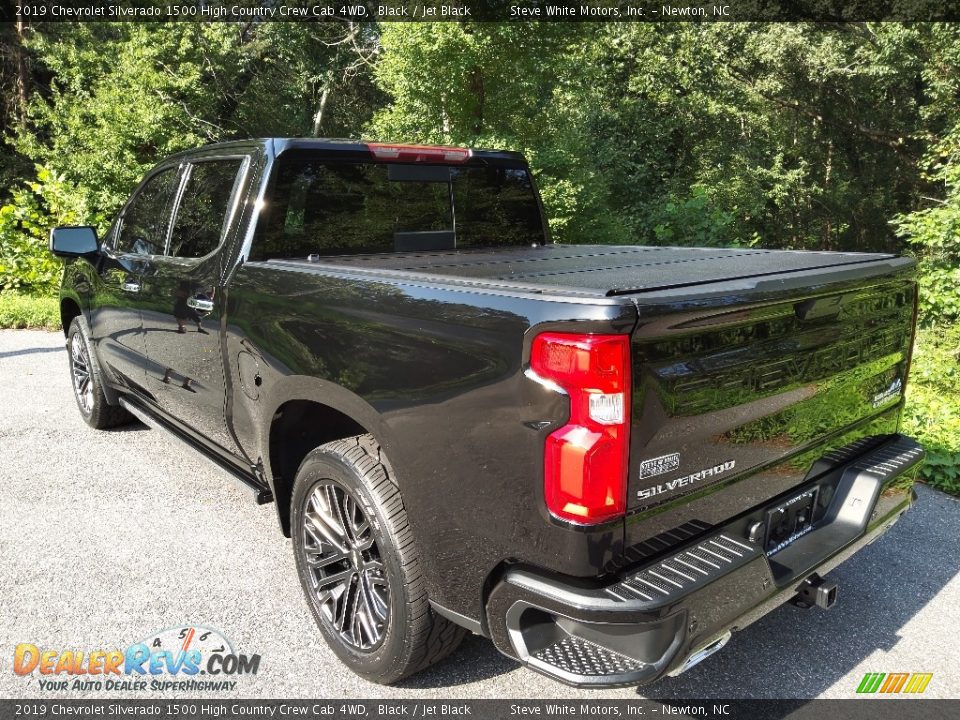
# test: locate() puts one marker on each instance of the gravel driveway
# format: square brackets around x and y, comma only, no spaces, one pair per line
[107,536]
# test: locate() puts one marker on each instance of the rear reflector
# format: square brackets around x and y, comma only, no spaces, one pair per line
[585,461]
[419,153]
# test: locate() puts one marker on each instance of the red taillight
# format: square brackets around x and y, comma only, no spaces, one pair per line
[419,153]
[585,461]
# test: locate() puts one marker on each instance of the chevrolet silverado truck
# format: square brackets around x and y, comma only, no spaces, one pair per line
[604,459]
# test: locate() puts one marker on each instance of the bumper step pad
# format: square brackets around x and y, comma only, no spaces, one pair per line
[685,571]
[578,656]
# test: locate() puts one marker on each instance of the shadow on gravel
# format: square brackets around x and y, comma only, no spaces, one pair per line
[134,426]
[31,351]
[792,653]
[801,653]
[476,659]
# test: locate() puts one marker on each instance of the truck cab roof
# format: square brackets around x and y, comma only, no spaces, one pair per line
[279,145]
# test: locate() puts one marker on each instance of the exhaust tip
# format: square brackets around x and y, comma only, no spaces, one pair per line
[702,654]
[816,591]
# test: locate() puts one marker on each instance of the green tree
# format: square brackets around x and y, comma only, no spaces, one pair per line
[124,95]
[25,262]
[933,228]
[797,136]
[512,86]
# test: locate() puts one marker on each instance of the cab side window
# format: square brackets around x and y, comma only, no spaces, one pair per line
[143,229]
[204,204]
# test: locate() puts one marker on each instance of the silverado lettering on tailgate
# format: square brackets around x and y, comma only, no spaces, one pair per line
[687,480]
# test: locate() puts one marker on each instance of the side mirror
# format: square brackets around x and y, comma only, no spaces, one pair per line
[74,241]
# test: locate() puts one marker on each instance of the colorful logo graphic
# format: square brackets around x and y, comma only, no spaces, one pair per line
[178,651]
[914,683]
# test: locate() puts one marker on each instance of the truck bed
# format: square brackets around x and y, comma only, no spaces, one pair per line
[595,270]
[748,366]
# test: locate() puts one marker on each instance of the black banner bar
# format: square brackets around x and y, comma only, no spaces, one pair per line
[873,708]
[479,10]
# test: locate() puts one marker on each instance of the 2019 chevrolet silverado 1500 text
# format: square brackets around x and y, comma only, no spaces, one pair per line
[602,458]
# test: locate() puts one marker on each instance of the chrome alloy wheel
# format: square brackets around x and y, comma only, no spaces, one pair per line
[80,371]
[345,567]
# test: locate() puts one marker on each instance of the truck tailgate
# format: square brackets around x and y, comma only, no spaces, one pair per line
[737,392]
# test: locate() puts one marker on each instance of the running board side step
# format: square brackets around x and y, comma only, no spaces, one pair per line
[247,482]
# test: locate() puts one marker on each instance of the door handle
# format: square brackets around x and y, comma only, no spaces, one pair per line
[131,286]
[200,304]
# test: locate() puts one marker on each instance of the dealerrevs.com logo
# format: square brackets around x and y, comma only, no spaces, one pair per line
[184,658]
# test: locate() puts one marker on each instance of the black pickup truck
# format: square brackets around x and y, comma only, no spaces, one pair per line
[605,459]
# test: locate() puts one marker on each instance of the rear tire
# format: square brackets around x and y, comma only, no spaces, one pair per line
[354,552]
[87,380]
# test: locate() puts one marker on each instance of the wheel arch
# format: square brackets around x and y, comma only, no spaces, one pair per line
[69,309]
[304,413]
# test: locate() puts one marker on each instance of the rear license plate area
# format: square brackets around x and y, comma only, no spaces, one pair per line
[790,520]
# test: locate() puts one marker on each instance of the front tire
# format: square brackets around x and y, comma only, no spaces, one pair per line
[359,566]
[87,380]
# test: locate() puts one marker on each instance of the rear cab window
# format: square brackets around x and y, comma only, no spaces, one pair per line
[318,205]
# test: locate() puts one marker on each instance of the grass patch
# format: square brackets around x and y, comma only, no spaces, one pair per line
[18,310]
[932,414]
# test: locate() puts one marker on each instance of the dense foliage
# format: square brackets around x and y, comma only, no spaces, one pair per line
[805,136]
[18,311]
[932,410]
[25,223]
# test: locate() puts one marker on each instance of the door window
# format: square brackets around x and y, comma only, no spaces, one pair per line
[202,215]
[143,230]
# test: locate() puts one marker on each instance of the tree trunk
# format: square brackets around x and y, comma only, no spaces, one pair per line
[445,118]
[479,92]
[22,79]
[828,227]
[318,118]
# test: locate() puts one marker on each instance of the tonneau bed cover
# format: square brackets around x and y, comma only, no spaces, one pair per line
[596,270]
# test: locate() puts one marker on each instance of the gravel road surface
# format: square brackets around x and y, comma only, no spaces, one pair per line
[108,536]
